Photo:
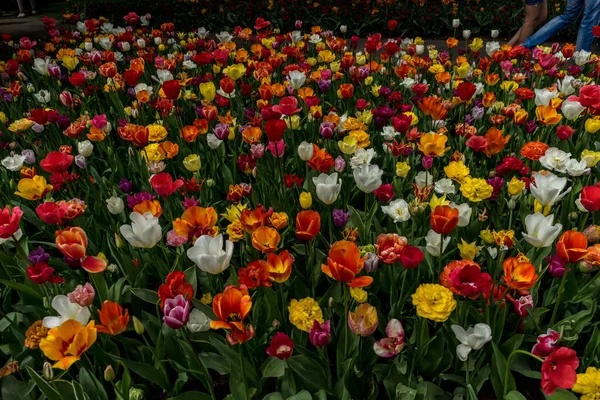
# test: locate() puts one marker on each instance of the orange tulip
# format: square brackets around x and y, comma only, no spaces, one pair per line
[114,320]
[72,242]
[279,220]
[308,225]
[168,149]
[67,342]
[495,141]
[451,42]
[445,275]
[265,239]
[444,219]
[519,275]
[572,246]
[547,115]
[151,206]
[344,263]
[433,144]
[433,106]
[231,308]
[346,90]
[489,98]
[279,266]
[253,219]
[197,221]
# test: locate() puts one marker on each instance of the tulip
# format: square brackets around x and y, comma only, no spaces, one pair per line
[115,205]
[559,370]
[177,312]
[308,225]
[411,256]
[540,230]
[368,177]
[363,321]
[40,273]
[320,334]
[288,106]
[389,247]
[548,189]
[144,231]
[198,322]
[66,343]
[571,247]
[172,89]
[589,198]
[281,346]
[519,275]
[9,221]
[305,151]
[394,342]
[82,295]
[164,185]
[67,311]
[340,218]
[344,263]
[473,338]
[114,320]
[328,187]
[444,219]
[546,343]
[274,129]
[434,246]
[571,109]
[208,254]
[466,90]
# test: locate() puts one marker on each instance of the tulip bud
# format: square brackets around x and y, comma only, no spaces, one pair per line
[305,151]
[305,200]
[209,182]
[512,204]
[136,394]
[573,216]
[48,372]
[455,23]
[138,326]
[131,152]
[495,33]
[343,28]
[466,34]
[115,205]
[80,161]
[119,241]
[192,162]
[275,324]
[109,374]
[331,302]
[340,164]
[85,148]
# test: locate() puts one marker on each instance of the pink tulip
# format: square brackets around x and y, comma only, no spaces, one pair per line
[392,345]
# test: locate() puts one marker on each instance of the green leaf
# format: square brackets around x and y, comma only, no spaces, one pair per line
[193,395]
[498,373]
[588,291]
[91,385]
[78,392]
[309,371]
[146,371]
[514,395]
[44,386]
[65,389]
[19,287]
[100,285]
[404,392]
[274,396]
[561,394]
[12,388]
[149,296]
[302,395]
[273,367]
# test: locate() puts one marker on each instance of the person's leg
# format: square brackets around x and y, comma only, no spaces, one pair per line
[515,39]
[543,13]
[591,16]
[33,9]
[21,9]
[531,16]
[572,11]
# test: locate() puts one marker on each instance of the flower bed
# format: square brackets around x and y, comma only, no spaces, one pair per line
[291,216]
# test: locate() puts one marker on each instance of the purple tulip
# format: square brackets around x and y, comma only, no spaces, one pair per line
[221,131]
[326,129]
[340,164]
[137,198]
[556,267]
[177,312]
[427,162]
[320,334]
[125,186]
[38,255]
[371,263]
[340,218]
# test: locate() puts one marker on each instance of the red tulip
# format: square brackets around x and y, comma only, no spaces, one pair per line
[470,282]
[589,96]
[287,106]
[402,122]
[274,129]
[52,213]
[444,219]
[466,90]
[56,162]
[411,256]
[596,31]
[392,24]
[590,198]
[564,132]
[572,246]
[40,273]
[164,185]
[384,193]
[77,79]
[171,89]
[131,77]
[9,221]
[559,370]
[281,346]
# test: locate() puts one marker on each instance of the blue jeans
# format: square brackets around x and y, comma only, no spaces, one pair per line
[585,38]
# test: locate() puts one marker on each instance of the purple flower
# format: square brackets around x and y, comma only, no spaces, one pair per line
[320,334]
[177,312]
[556,267]
[221,131]
[530,127]
[72,263]
[38,255]
[257,150]
[477,113]
[326,129]
[339,164]
[137,198]
[125,186]
[29,156]
[80,161]
[385,92]
[427,162]
[189,202]
[340,218]
[371,263]
[63,121]
[324,85]
[497,183]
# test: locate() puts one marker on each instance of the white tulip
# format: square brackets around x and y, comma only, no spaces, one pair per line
[198,321]
[85,148]
[492,47]
[115,205]
[164,75]
[343,28]
[297,79]
[466,34]
[576,168]
[43,96]
[213,141]
[548,189]
[565,85]
[41,66]
[434,240]
[328,187]
[13,163]
[571,109]
[541,231]
[445,186]
[544,96]
[66,311]
[208,254]
[144,231]
[362,157]
[555,159]
[455,23]
[464,213]
[472,339]
[495,33]
[581,57]
[224,37]
[397,210]
[202,33]
[305,151]
[368,177]
[423,179]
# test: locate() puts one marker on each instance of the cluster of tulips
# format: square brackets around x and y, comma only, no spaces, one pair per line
[300,215]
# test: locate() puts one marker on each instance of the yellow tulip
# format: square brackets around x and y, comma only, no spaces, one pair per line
[235,71]
[192,162]
[592,125]
[33,188]
[208,91]
[67,342]
[69,62]
[305,200]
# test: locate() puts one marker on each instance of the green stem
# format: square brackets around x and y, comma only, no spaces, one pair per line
[507,370]
[561,289]
[243,372]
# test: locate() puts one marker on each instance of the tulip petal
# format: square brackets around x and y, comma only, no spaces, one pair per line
[93,264]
